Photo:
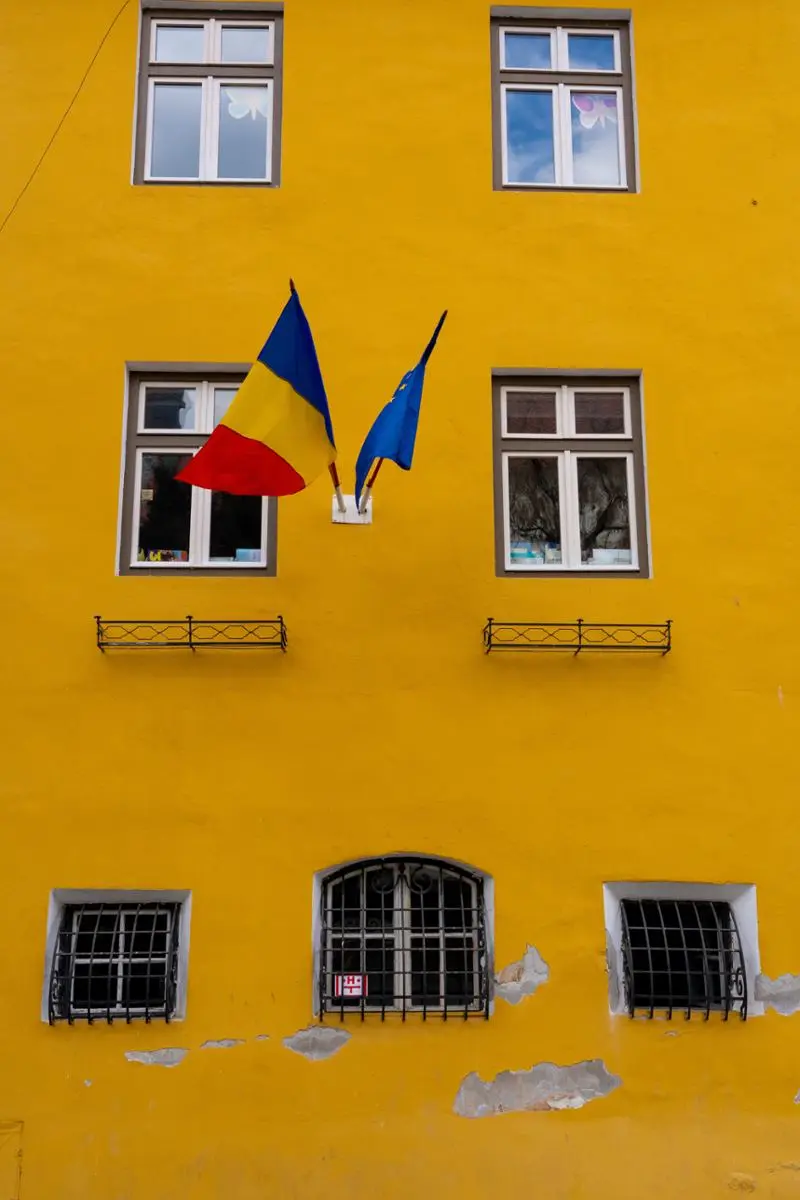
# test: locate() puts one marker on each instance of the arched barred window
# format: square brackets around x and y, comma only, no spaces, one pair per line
[403,934]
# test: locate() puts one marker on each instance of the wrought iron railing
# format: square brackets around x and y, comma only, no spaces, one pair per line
[190,634]
[576,636]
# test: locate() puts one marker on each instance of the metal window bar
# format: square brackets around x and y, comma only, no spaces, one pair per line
[577,637]
[187,633]
[104,979]
[682,954]
[407,923]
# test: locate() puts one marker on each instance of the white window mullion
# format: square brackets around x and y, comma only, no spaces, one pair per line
[562,49]
[566,417]
[623,168]
[200,527]
[402,950]
[210,128]
[120,959]
[570,511]
[565,136]
[213,41]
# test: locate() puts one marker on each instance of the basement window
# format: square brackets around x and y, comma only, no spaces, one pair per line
[403,935]
[116,958]
[687,952]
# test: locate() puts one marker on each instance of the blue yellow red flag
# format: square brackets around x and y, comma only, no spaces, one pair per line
[277,435]
[394,432]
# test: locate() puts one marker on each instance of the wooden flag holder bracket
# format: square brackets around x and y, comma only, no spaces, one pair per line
[351,515]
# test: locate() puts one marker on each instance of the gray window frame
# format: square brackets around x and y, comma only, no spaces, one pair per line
[633,445]
[613,20]
[179,10]
[218,373]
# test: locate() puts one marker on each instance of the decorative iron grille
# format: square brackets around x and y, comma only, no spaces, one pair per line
[577,636]
[403,935]
[190,634]
[115,961]
[682,955]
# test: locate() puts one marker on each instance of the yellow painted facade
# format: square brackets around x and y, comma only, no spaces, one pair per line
[385,728]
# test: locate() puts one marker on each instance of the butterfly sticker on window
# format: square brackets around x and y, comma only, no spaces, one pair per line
[243,102]
[595,109]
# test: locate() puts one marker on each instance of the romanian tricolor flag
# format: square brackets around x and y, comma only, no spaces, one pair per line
[277,436]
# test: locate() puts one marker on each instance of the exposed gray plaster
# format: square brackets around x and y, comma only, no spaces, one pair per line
[158,1058]
[797,1098]
[782,994]
[262,1037]
[522,978]
[317,1041]
[611,969]
[222,1044]
[544,1087]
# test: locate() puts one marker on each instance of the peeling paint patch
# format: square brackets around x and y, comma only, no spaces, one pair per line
[797,1098]
[262,1037]
[522,978]
[541,1089]
[738,1182]
[87,1083]
[317,1041]
[222,1044]
[157,1058]
[782,994]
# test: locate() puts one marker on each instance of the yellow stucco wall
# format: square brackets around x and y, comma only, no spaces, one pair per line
[385,728]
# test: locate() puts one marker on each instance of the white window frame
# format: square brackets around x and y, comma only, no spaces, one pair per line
[562,134]
[559,48]
[199,522]
[212,40]
[740,896]
[61,898]
[569,510]
[565,412]
[210,88]
[200,518]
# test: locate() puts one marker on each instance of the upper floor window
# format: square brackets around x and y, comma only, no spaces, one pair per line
[569,471]
[563,103]
[402,935]
[117,955]
[167,525]
[209,96]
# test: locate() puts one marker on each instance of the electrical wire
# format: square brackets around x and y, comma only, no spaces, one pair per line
[64,116]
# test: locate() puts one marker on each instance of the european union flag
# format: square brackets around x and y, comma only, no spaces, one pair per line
[395,429]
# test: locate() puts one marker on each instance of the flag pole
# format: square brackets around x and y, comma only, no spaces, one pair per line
[337,487]
[365,495]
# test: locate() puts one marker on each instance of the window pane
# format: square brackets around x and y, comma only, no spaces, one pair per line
[534,511]
[604,511]
[223,397]
[179,43]
[235,528]
[243,45]
[591,52]
[165,509]
[599,412]
[94,933]
[531,412]
[170,408]
[94,985]
[527,51]
[530,148]
[243,125]
[175,152]
[595,143]
[426,964]
[144,984]
[146,932]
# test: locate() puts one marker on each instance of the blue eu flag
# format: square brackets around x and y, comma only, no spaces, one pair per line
[394,432]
